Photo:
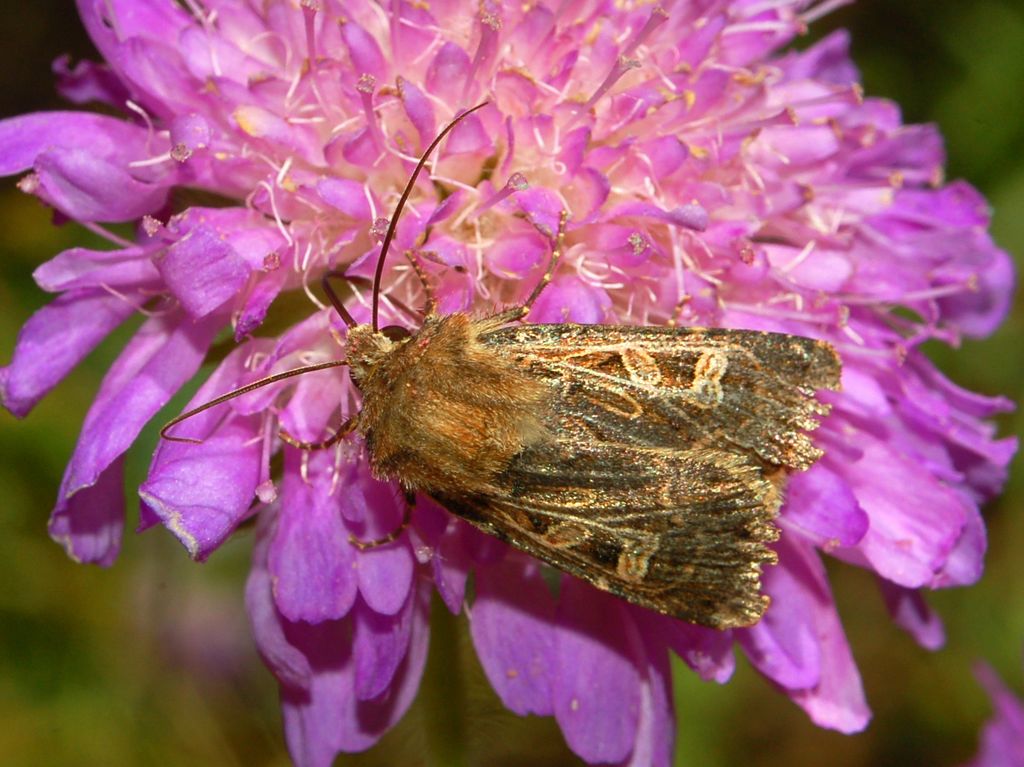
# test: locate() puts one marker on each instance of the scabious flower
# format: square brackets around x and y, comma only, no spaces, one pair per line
[712,179]
[1002,740]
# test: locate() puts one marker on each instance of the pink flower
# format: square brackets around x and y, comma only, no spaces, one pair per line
[703,167]
[1002,740]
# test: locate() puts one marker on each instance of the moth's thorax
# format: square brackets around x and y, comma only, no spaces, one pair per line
[442,412]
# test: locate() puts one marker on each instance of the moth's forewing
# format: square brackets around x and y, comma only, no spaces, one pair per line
[740,390]
[668,446]
[679,532]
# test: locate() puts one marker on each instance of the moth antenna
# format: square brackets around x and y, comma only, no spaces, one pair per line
[238,393]
[339,307]
[393,225]
[365,282]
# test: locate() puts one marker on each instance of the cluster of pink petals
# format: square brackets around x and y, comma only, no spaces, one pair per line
[707,174]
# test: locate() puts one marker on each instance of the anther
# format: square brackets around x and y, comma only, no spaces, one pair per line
[29,184]
[379,229]
[151,226]
[180,153]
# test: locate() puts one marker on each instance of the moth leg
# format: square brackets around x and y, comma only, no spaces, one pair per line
[677,312]
[343,431]
[430,306]
[518,312]
[362,545]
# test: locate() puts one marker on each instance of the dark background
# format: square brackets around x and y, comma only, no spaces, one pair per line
[151,662]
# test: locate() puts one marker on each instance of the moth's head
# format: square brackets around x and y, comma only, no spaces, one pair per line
[366,347]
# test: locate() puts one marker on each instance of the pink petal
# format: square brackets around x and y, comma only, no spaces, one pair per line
[347,196]
[567,299]
[89,524]
[785,645]
[837,700]
[451,564]
[690,216]
[384,573]
[202,271]
[258,301]
[827,60]
[966,562]
[327,717]
[88,81]
[666,153]
[822,505]
[655,737]
[285,661]
[511,625]
[310,559]
[88,188]
[910,535]
[979,311]
[84,268]
[161,80]
[447,73]
[164,353]
[189,134]
[469,137]
[418,109]
[706,651]
[911,612]
[379,645]
[363,50]
[203,492]
[24,138]
[543,208]
[597,687]
[516,253]
[54,340]
[1002,739]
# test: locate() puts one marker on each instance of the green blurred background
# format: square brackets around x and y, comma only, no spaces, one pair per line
[150,662]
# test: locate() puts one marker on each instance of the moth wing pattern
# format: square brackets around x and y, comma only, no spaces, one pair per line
[664,472]
[751,391]
[681,532]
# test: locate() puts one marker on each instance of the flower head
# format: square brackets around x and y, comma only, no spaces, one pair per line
[712,180]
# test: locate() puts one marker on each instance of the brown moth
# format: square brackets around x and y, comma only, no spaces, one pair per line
[648,461]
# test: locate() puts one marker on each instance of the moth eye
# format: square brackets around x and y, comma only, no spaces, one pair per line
[395,333]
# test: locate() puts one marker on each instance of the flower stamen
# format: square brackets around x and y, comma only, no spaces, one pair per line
[282,228]
[816,12]
[624,62]
[658,17]
[310,8]
[490,29]
[517,182]
[366,86]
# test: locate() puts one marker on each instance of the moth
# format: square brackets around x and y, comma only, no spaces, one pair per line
[648,461]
